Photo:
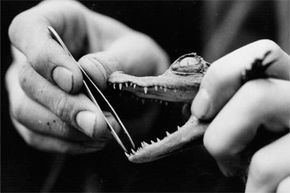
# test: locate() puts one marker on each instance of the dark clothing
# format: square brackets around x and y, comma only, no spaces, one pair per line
[210,28]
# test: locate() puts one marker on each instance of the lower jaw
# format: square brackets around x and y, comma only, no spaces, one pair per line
[173,143]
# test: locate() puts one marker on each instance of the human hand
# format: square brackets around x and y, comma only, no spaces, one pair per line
[238,110]
[44,83]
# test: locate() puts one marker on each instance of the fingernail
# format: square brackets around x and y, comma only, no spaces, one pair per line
[63,78]
[86,121]
[201,104]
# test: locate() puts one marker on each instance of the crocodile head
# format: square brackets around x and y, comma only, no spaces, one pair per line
[179,83]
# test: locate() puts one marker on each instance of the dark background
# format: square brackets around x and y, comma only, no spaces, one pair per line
[177,27]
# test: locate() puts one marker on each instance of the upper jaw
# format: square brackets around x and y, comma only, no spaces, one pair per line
[166,87]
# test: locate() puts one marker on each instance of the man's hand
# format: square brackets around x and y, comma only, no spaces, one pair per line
[44,83]
[238,110]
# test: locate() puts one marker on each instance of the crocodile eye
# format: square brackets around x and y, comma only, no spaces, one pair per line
[188,64]
[188,61]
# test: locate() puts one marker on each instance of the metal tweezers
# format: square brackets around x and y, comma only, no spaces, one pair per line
[127,144]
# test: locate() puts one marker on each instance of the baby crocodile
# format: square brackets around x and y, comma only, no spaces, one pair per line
[179,83]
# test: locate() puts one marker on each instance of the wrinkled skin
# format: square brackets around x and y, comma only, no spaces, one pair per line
[179,83]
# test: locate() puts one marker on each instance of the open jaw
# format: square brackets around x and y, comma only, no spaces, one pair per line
[179,83]
[170,144]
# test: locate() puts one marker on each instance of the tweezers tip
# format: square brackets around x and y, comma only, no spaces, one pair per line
[127,155]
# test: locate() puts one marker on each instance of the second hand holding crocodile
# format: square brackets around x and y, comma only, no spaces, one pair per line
[179,83]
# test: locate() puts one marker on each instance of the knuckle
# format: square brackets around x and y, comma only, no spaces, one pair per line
[261,168]
[30,139]
[267,45]
[64,3]
[17,22]
[63,107]
[11,73]
[16,110]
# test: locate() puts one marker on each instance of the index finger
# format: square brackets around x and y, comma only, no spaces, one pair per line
[225,76]
[28,32]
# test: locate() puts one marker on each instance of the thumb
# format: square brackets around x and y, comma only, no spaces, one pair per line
[99,66]
[134,53]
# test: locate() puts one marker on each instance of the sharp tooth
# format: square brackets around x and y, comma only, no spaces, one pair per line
[114,86]
[145,90]
[156,88]
[158,139]
[160,87]
[131,83]
[133,151]
[178,127]
[152,142]
[127,154]
[175,90]
[167,133]
[165,89]
[126,84]
[134,86]
[143,144]
[120,86]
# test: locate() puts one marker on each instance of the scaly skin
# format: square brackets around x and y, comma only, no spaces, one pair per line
[179,83]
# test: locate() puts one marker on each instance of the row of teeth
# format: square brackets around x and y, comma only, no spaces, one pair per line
[133,85]
[145,144]
[143,101]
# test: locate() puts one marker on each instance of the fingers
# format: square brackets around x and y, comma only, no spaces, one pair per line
[47,143]
[133,53]
[224,77]
[259,102]
[35,116]
[28,32]
[76,110]
[270,168]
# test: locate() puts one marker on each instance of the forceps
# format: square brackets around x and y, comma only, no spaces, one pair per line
[89,86]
